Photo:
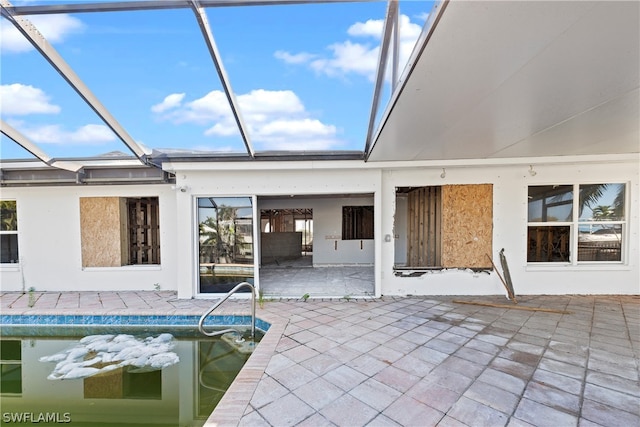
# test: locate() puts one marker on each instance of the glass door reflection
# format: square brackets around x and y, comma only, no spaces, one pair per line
[225,243]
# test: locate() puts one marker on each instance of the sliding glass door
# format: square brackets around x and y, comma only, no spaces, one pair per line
[225,243]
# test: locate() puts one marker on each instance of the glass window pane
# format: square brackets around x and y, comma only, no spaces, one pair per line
[225,243]
[548,244]
[8,215]
[550,203]
[10,378]
[600,242]
[10,350]
[602,202]
[8,248]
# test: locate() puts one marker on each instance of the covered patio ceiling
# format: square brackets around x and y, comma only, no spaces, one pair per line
[511,79]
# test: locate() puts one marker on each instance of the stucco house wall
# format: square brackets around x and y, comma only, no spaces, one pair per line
[510,184]
[50,239]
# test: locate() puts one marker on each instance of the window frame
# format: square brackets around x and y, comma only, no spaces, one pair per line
[143,231]
[119,251]
[576,222]
[10,233]
[14,364]
[354,226]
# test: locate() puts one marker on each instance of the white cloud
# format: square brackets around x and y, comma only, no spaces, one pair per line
[357,58]
[91,134]
[348,58]
[276,120]
[260,101]
[169,102]
[20,100]
[371,28]
[55,28]
[299,58]
[297,127]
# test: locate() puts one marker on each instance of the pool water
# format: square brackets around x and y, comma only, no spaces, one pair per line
[175,394]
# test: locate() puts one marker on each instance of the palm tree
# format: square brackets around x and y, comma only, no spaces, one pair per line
[591,194]
[603,212]
[8,215]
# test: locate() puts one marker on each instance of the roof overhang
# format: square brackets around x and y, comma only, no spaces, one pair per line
[511,79]
[117,170]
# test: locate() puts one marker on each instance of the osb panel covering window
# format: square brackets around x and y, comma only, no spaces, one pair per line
[467,225]
[100,231]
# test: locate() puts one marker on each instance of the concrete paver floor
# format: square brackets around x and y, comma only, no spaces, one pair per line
[418,361]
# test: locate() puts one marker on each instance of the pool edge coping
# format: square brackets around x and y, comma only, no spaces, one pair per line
[234,403]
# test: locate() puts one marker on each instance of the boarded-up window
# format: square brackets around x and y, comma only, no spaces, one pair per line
[467,225]
[357,222]
[118,231]
[449,226]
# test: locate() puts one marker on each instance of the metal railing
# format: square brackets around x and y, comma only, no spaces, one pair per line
[231,292]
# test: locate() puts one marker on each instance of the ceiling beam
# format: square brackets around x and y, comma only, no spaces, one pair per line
[203,23]
[11,133]
[38,41]
[121,6]
[390,21]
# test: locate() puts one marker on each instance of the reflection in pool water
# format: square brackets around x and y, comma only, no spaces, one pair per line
[135,393]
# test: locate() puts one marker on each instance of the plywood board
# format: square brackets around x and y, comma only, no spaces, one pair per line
[100,232]
[467,225]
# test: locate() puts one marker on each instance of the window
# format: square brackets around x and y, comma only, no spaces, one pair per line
[561,225]
[117,231]
[8,232]
[357,222]
[143,230]
[448,226]
[10,367]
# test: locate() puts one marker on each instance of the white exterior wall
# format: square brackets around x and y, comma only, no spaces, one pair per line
[510,184]
[49,224]
[50,249]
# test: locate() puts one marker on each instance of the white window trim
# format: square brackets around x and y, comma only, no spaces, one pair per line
[574,225]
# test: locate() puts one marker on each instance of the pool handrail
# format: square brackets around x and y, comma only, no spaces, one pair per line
[216,305]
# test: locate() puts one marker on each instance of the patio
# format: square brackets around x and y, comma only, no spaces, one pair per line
[409,361]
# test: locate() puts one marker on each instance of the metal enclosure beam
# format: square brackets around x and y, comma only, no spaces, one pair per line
[118,6]
[32,148]
[395,59]
[390,22]
[201,16]
[427,31]
[34,37]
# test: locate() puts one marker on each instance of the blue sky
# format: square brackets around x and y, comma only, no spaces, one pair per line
[303,76]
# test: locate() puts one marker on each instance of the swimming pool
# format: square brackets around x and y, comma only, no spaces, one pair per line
[178,394]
